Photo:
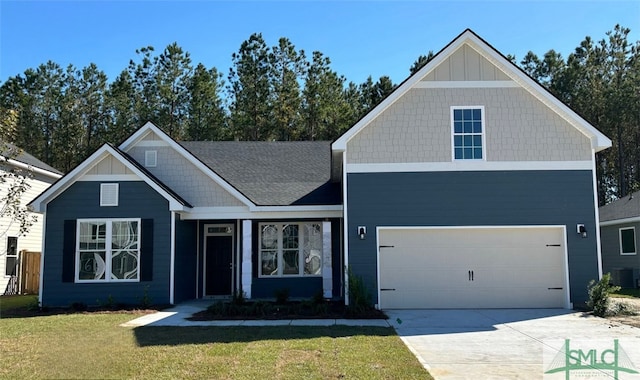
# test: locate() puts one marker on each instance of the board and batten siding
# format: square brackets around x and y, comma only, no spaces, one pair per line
[417,128]
[466,64]
[612,260]
[82,200]
[482,198]
[32,240]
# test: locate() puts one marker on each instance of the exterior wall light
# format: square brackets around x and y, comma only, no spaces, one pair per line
[362,232]
[581,230]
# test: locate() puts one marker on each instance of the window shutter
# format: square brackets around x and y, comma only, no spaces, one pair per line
[69,251]
[146,250]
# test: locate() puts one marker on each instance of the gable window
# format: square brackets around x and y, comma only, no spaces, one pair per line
[108,194]
[151,158]
[290,249]
[627,241]
[11,265]
[468,132]
[108,250]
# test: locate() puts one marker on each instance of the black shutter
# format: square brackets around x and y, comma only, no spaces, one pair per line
[146,250]
[69,251]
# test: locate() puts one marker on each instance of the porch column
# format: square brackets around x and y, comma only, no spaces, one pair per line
[327,268]
[247,268]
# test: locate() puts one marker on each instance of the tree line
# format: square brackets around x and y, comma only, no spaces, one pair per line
[61,115]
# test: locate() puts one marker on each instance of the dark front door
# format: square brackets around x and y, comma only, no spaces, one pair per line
[219,254]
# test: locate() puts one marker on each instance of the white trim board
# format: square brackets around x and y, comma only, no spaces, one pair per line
[468,165]
[270,212]
[467,84]
[634,219]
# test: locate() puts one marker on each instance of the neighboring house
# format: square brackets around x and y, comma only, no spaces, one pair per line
[619,229]
[11,241]
[465,188]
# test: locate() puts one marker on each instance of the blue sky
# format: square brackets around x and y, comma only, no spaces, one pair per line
[362,38]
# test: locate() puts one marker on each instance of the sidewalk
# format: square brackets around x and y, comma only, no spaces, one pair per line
[177,316]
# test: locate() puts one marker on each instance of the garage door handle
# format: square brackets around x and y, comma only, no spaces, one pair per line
[387,290]
[553,245]
[554,288]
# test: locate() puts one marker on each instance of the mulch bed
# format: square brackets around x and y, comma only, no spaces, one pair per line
[22,312]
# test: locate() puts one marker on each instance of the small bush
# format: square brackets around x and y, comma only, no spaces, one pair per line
[145,300]
[599,293]
[318,298]
[239,298]
[282,295]
[359,296]
[78,306]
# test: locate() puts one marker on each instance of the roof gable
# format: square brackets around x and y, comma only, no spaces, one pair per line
[471,42]
[112,156]
[149,133]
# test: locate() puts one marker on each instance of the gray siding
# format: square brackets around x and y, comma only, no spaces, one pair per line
[81,200]
[474,199]
[612,260]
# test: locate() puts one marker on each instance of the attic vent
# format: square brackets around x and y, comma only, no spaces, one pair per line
[108,194]
[150,158]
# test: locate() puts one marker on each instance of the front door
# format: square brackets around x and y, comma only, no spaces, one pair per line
[219,263]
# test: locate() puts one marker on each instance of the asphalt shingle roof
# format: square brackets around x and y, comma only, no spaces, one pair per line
[30,160]
[625,207]
[273,173]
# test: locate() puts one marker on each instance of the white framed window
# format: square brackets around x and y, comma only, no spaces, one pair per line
[11,265]
[467,133]
[627,240]
[108,250]
[150,158]
[290,249]
[109,194]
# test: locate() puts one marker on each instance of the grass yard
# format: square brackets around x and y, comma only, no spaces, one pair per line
[93,345]
[16,302]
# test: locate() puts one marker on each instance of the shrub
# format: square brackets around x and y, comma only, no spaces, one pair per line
[599,294]
[359,296]
[78,306]
[239,298]
[145,300]
[282,295]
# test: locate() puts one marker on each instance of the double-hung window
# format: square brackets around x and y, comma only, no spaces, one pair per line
[627,241]
[11,266]
[108,250]
[468,133]
[290,249]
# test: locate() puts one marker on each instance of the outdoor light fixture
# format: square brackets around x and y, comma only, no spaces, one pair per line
[362,232]
[581,230]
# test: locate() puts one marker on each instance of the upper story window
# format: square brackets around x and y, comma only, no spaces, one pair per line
[627,241]
[468,132]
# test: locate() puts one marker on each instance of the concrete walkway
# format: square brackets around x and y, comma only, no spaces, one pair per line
[509,344]
[177,316]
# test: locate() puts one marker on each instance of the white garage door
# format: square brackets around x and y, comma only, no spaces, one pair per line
[472,268]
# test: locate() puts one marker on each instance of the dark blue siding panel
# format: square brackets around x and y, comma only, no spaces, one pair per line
[299,287]
[81,200]
[185,260]
[474,199]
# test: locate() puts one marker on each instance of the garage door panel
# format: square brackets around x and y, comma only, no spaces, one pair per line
[512,267]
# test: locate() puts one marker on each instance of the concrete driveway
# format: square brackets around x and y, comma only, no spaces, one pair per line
[514,343]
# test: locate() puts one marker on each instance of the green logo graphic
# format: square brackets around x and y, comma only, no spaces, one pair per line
[610,361]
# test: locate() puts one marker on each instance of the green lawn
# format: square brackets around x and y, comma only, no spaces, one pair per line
[93,345]
[15,302]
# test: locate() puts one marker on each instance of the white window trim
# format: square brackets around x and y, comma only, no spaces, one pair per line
[635,245]
[108,250]
[483,134]
[279,249]
[105,186]
[150,158]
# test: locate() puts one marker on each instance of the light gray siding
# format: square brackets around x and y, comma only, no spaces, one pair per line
[466,64]
[81,200]
[474,199]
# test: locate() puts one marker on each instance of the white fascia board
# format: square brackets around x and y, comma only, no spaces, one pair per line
[53,191]
[341,143]
[468,165]
[150,127]
[271,212]
[32,168]
[634,219]
[598,140]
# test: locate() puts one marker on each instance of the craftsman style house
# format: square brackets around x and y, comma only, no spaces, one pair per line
[469,186]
